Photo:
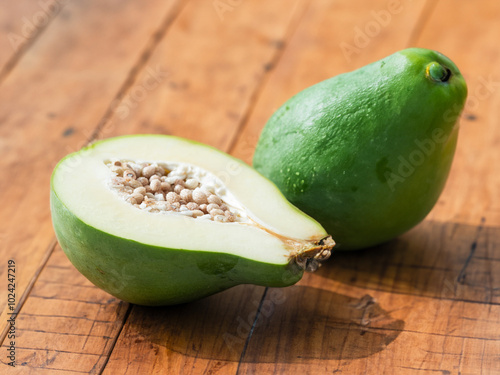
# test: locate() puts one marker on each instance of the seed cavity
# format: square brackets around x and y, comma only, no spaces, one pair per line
[173,188]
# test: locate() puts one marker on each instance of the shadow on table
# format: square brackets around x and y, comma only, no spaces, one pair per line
[435,259]
[299,324]
[295,324]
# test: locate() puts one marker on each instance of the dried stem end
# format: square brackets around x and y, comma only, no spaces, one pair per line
[309,258]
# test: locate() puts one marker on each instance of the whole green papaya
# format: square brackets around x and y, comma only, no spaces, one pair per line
[367,153]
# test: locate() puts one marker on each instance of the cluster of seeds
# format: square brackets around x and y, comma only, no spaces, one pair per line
[168,189]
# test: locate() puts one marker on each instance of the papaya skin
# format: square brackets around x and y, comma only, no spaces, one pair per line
[153,276]
[367,153]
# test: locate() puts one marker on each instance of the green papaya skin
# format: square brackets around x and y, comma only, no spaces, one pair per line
[154,276]
[367,153]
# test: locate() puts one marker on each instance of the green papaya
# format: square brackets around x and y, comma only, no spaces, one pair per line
[367,153]
[160,220]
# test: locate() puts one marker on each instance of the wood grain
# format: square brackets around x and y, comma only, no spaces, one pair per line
[436,259]
[67,326]
[360,311]
[425,303]
[21,25]
[205,90]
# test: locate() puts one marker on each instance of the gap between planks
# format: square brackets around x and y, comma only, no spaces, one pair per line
[473,247]
[113,342]
[254,323]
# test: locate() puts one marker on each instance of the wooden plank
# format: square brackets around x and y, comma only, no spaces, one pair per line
[66,326]
[435,259]
[206,336]
[73,87]
[212,69]
[324,326]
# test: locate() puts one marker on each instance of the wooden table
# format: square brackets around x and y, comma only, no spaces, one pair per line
[214,71]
